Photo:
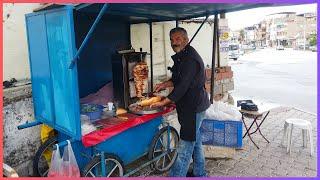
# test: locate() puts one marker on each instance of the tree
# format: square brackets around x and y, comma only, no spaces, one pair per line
[313,40]
[241,36]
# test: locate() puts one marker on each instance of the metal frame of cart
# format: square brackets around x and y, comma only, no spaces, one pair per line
[69,52]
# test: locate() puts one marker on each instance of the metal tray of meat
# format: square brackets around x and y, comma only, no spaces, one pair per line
[140,110]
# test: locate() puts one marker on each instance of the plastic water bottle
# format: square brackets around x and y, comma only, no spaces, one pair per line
[114,110]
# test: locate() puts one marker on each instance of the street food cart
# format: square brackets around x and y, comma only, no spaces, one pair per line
[76,49]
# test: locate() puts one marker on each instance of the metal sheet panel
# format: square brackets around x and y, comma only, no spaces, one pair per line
[61,46]
[40,69]
[94,65]
[154,12]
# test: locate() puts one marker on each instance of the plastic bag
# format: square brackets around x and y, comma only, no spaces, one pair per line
[56,163]
[222,111]
[69,165]
[87,128]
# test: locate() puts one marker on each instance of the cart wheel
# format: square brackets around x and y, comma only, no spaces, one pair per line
[114,167]
[159,146]
[41,161]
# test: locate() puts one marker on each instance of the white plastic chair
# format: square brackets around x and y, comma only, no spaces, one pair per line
[306,130]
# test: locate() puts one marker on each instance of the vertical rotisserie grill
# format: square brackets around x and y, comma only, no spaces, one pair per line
[130,77]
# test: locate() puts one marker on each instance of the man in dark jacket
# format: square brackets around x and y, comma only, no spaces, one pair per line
[191,99]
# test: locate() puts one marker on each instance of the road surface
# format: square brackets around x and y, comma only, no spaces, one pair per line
[277,77]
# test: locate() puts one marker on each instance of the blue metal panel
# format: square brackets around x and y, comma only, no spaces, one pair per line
[154,12]
[61,46]
[89,34]
[94,65]
[132,143]
[40,69]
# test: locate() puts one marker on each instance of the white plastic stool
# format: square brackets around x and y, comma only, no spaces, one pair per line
[306,129]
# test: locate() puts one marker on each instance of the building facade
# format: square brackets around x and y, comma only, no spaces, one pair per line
[289,29]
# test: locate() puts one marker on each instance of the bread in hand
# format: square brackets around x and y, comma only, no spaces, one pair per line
[148,102]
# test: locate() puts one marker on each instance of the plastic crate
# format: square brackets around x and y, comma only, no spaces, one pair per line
[221,133]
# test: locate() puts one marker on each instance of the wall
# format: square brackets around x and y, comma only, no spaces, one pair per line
[162,50]
[19,146]
[14,32]
[203,43]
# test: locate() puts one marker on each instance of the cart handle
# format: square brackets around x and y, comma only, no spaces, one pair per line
[63,143]
[27,124]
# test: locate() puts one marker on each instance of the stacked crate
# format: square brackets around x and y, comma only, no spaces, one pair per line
[221,133]
[223,81]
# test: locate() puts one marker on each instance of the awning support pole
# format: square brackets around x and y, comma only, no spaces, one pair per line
[213,63]
[218,42]
[151,55]
[86,39]
[198,29]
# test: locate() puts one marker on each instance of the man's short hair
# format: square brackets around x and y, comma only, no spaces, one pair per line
[179,29]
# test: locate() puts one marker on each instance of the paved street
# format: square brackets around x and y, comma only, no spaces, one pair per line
[271,159]
[287,77]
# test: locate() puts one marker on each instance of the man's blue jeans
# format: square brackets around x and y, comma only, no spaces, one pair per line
[185,150]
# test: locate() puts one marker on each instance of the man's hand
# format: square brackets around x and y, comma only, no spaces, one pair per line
[160,87]
[163,85]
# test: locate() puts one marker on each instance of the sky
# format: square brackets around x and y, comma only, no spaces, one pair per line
[241,19]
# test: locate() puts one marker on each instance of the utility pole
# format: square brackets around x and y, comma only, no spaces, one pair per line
[304,32]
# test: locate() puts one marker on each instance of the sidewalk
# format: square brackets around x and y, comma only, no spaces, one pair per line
[271,160]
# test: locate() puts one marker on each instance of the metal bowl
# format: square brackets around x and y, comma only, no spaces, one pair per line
[137,109]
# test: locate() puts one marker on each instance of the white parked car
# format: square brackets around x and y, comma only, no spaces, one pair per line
[280,47]
[234,51]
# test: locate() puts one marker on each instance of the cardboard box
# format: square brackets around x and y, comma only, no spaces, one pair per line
[218,152]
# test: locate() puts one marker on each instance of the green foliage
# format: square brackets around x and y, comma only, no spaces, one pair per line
[313,40]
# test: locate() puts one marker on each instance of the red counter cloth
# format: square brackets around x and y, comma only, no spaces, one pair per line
[114,126]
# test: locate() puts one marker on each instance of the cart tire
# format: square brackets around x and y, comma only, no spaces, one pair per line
[164,163]
[40,164]
[117,169]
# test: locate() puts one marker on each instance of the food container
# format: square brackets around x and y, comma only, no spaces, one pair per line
[93,111]
[140,110]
